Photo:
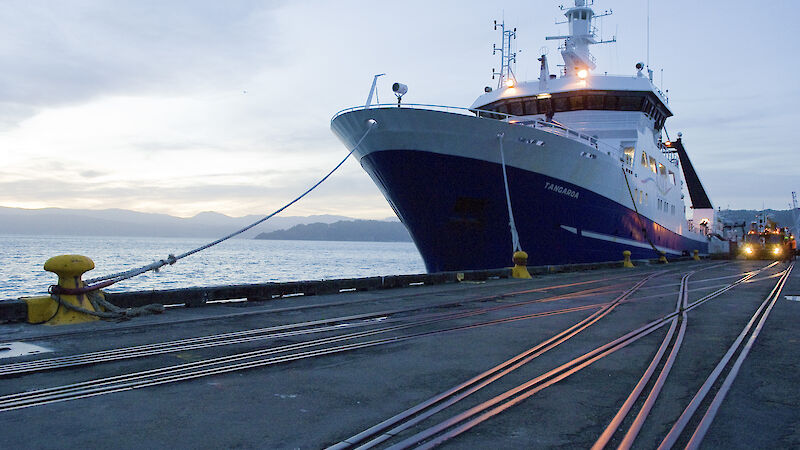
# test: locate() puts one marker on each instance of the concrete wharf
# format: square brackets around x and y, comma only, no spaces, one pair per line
[326,363]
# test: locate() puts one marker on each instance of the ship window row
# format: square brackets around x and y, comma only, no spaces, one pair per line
[650,162]
[641,198]
[595,100]
[663,205]
[579,15]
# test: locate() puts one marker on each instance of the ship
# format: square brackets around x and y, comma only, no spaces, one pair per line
[574,167]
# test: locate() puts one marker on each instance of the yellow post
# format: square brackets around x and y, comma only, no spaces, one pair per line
[626,259]
[697,255]
[69,269]
[520,269]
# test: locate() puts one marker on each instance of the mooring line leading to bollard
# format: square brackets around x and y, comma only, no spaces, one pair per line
[172,259]
[511,224]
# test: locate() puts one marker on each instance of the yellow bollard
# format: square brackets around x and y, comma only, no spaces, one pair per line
[520,269]
[697,255]
[663,259]
[626,259]
[69,269]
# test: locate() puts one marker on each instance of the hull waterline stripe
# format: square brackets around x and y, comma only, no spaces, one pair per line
[631,242]
[572,230]
[619,240]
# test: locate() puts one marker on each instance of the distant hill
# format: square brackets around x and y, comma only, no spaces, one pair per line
[345,230]
[120,222]
[783,218]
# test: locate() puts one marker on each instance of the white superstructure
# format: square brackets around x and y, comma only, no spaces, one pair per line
[590,173]
[625,114]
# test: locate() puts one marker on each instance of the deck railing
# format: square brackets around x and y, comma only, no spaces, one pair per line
[550,127]
[444,108]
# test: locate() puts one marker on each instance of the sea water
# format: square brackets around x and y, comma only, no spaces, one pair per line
[236,261]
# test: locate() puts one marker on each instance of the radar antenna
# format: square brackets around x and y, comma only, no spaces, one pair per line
[575,49]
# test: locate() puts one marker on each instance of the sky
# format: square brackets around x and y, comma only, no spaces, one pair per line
[180,107]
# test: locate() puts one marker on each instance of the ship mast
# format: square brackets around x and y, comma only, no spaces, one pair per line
[507,57]
[575,49]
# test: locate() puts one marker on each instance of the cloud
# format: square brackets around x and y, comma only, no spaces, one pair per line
[90,173]
[233,193]
[68,52]
[142,104]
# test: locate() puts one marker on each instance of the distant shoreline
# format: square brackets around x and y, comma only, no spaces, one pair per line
[211,225]
[344,230]
[126,223]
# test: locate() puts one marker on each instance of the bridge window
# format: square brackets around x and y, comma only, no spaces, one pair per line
[576,103]
[671,177]
[611,102]
[528,107]
[630,103]
[596,100]
[561,104]
[653,164]
[644,159]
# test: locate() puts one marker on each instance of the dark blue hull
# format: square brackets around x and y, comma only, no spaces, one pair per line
[455,210]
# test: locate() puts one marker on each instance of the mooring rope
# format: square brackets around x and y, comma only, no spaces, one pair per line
[514,235]
[172,259]
[639,216]
[104,309]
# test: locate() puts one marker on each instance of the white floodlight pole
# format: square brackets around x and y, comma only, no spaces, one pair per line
[372,90]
